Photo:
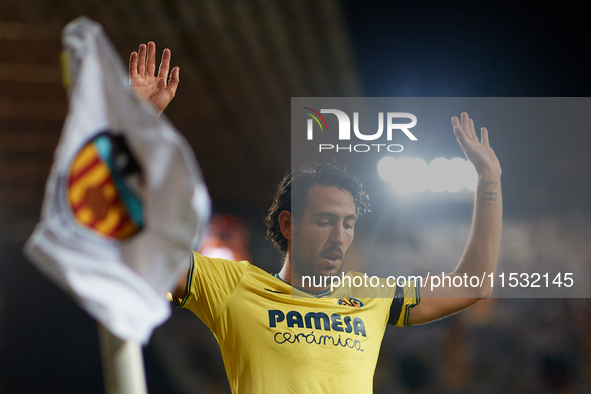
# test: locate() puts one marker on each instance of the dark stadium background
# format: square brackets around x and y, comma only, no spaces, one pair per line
[241,61]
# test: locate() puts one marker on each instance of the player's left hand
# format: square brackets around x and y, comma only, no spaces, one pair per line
[156,89]
[478,152]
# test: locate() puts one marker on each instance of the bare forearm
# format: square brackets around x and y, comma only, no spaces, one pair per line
[482,251]
[480,257]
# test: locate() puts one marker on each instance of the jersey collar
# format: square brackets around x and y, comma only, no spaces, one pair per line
[319,294]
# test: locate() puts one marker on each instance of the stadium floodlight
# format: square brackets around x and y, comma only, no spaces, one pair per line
[406,175]
[456,175]
[437,174]
[416,173]
[471,177]
[402,182]
[386,168]
[412,174]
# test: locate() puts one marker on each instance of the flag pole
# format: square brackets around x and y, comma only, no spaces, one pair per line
[123,364]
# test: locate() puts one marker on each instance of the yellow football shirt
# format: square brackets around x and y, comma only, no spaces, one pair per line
[276,341]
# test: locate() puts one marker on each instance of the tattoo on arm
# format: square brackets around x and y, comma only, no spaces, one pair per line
[490,194]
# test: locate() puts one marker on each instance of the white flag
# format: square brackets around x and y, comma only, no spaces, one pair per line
[125,201]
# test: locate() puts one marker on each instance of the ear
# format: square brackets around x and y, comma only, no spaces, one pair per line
[285,224]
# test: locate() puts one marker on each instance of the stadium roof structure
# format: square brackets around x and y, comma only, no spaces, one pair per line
[241,63]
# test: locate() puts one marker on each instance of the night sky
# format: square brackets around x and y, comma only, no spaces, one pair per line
[470,49]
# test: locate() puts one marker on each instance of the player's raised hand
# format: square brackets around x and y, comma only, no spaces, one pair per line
[158,89]
[478,152]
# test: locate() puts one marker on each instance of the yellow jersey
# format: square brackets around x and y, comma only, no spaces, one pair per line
[277,339]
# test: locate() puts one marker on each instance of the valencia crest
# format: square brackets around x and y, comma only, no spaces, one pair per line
[104,187]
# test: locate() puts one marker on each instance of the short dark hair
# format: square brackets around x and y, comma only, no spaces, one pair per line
[303,179]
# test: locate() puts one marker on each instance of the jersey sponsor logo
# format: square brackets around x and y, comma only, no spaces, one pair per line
[318,321]
[103,188]
[350,301]
[313,339]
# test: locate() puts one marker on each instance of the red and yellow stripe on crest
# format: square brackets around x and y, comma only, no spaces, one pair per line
[92,196]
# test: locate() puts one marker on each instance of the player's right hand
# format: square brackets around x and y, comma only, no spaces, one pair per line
[158,90]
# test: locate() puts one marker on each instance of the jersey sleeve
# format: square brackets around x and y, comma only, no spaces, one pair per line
[405,298]
[210,283]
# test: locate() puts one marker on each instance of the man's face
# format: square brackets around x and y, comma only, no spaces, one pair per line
[323,234]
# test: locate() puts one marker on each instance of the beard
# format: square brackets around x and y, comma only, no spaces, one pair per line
[307,263]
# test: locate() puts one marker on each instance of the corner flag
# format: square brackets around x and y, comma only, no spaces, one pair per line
[125,201]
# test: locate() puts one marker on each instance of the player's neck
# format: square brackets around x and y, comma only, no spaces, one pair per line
[294,278]
[285,273]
